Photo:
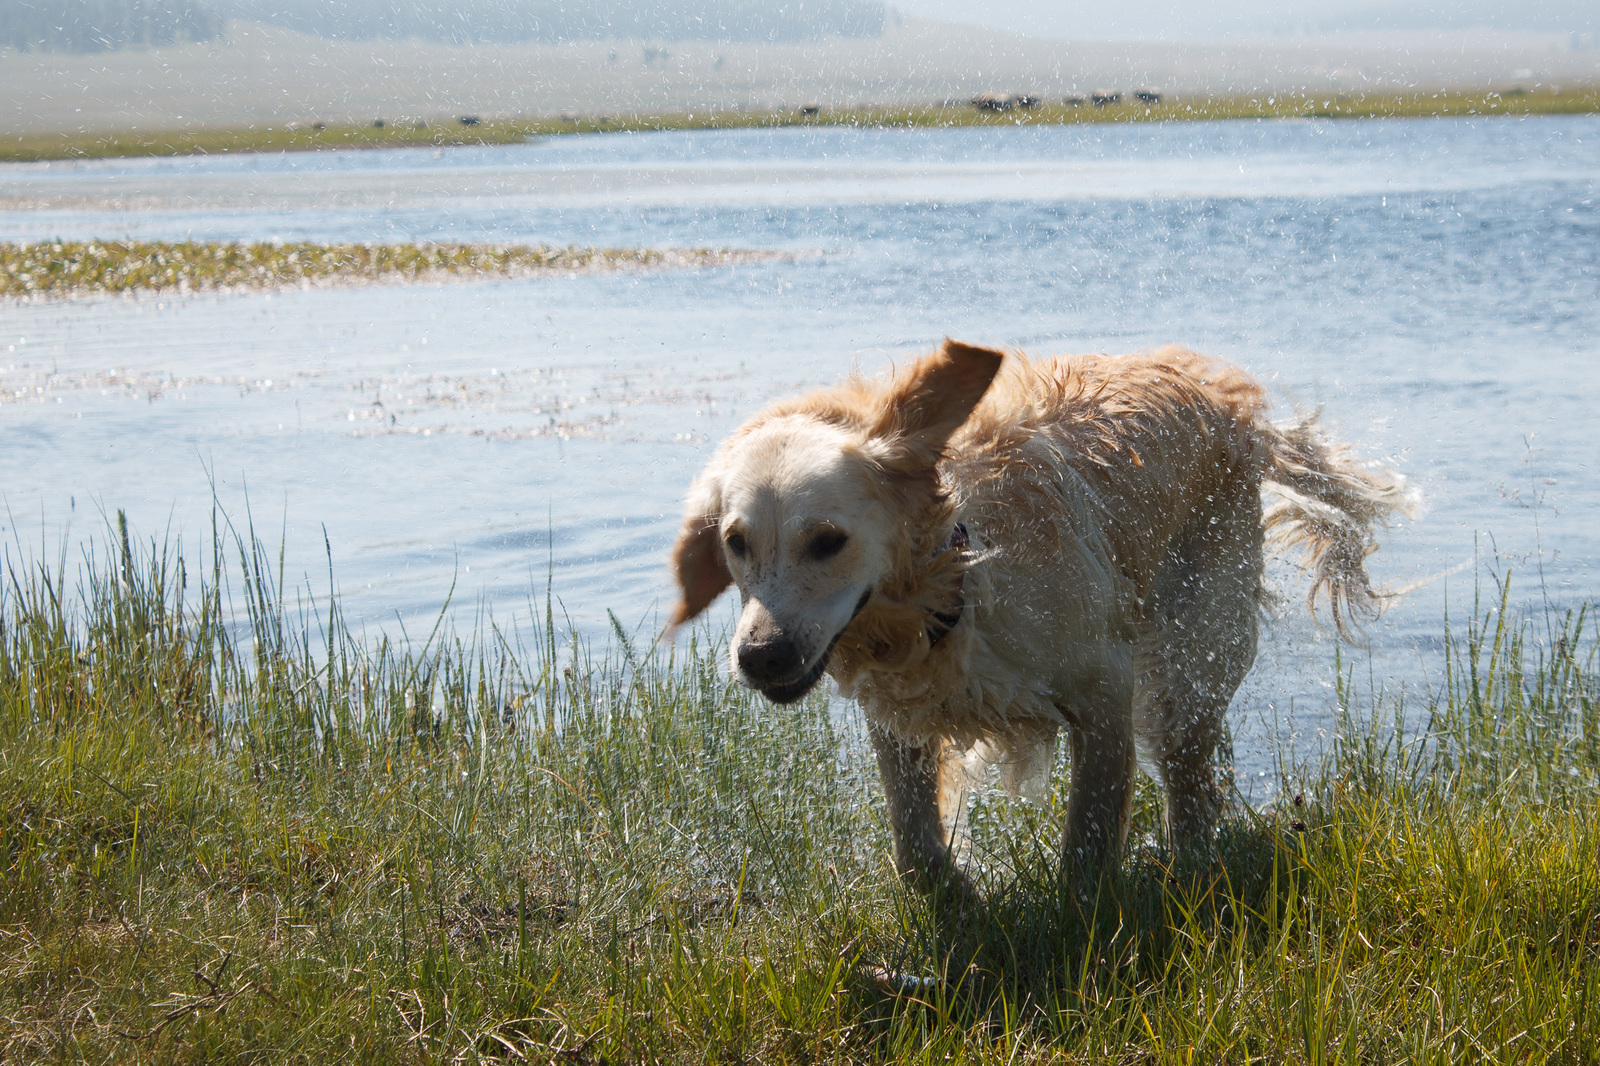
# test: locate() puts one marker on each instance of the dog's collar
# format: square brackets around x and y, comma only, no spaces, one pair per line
[940,623]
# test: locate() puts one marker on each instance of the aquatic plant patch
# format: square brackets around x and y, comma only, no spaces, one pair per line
[66,268]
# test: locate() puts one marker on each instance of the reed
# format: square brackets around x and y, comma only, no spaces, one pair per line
[232,827]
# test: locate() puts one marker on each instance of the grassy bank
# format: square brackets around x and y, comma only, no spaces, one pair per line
[233,830]
[1053,111]
[26,148]
[68,268]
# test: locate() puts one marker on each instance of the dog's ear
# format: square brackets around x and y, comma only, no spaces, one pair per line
[698,564]
[931,399]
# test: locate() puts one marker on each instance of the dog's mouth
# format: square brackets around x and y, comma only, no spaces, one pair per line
[790,691]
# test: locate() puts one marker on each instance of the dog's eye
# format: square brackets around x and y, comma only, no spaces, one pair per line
[736,544]
[827,544]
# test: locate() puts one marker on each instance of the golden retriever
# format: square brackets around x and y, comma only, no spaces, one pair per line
[982,550]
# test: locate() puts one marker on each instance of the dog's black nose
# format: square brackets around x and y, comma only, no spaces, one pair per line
[769,660]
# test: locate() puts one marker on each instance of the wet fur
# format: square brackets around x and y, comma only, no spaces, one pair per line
[1111,586]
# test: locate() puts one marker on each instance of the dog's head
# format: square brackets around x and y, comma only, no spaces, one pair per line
[805,508]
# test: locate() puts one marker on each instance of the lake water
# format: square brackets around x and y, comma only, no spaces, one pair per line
[1433,285]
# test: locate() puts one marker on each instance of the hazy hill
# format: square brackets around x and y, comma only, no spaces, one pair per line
[106,25]
[512,21]
[103,25]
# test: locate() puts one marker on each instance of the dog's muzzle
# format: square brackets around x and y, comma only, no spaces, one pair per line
[775,668]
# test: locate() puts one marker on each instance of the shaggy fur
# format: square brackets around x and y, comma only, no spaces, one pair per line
[1110,583]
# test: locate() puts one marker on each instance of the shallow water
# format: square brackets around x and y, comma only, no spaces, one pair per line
[1433,285]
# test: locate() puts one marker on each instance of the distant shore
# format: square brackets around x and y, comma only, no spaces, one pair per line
[470,130]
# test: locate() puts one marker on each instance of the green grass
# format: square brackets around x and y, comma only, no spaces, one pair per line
[231,829]
[1194,107]
[66,268]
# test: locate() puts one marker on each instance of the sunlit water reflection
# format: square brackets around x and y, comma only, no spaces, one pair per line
[1433,285]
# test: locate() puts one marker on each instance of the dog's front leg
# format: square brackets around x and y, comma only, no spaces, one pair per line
[1100,732]
[922,849]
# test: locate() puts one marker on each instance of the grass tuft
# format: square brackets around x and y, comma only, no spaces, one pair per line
[231,828]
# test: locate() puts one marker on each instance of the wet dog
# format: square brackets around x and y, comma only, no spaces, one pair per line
[983,550]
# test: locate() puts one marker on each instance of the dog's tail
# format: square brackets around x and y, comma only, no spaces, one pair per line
[1328,506]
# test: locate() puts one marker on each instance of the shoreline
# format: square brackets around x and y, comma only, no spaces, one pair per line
[1515,101]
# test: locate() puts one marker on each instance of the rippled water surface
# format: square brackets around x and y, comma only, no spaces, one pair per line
[1433,285]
